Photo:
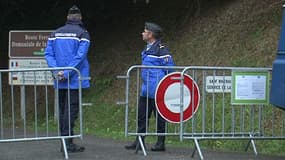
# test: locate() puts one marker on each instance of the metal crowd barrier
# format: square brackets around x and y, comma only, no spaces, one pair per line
[29,106]
[219,116]
[132,94]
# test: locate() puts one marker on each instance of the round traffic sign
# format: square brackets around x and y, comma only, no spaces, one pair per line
[167,97]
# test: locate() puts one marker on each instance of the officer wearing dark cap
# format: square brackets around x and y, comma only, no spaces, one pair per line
[68,47]
[154,54]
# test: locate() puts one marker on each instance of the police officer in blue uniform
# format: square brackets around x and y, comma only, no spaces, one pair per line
[154,54]
[68,47]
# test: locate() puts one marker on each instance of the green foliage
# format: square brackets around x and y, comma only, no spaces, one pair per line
[99,86]
[104,120]
[257,34]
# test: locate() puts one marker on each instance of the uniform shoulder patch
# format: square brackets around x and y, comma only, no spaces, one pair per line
[166,59]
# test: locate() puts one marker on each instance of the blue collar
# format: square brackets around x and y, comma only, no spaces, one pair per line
[154,48]
[75,22]
[154,45]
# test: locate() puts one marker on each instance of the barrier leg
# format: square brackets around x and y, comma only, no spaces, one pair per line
[197,147]
[64,148]
[251,142]
[141,144]
[193,153]
[254,147]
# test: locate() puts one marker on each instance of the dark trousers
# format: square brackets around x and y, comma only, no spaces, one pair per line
[68,110]
[144,111]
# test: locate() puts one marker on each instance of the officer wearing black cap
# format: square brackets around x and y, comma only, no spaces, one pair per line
[154,54]
[154,28]
[68,47]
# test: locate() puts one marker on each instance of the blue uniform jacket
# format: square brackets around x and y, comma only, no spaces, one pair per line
[157,55]
[68,47]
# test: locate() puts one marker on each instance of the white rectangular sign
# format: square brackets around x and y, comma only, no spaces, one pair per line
[250,87]
[218,84]
[29,78]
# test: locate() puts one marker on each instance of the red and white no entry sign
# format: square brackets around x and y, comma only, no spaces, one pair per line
[167,97]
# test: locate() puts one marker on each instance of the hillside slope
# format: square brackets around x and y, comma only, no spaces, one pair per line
[241,33]
[236,33]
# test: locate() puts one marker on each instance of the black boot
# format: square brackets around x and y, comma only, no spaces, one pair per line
[135,144]
[71,147]
[160,145]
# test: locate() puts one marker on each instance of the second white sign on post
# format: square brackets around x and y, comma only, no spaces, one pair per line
[29,78]
[218,84]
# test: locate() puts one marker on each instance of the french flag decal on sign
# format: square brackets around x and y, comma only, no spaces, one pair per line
[14,64]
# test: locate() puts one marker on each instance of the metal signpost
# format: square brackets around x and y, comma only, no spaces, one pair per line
[26,50]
